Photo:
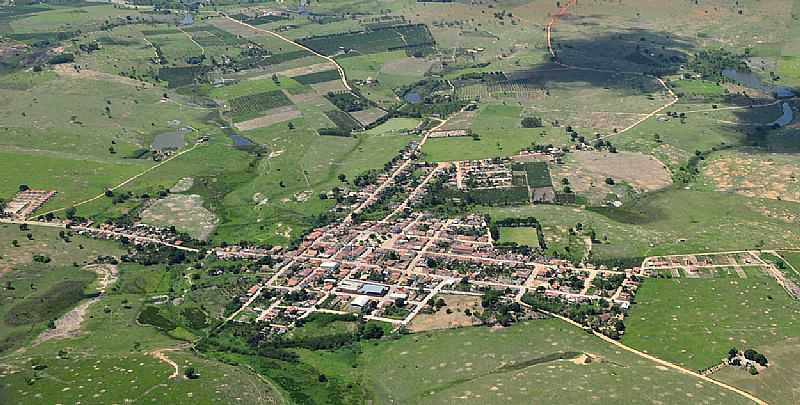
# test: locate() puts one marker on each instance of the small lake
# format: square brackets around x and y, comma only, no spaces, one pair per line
[170,140]
[412,97]
[786,118]
[239,140]
[751,80]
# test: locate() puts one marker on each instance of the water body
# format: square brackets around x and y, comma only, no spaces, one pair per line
[413,97]
[239,140]
[170,140]
[751,80]
[786,118]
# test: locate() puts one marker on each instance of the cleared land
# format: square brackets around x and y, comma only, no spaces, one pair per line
[270,117]
[453,315]
[185,212]
[755,174]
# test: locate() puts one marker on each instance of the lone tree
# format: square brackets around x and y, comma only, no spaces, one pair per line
[191,373]
[531,122]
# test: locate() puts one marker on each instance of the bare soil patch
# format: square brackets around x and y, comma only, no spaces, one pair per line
[643,172]
[459,120]
[270,117]
[68,71]
[305,70]
[330,86]
[69,324]
[756,175]
[182,185]
[451,316]
[408,67]
[369,116]
[185,212]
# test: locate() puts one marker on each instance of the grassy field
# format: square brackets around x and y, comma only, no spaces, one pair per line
[693,322]
[520,364]
[109,363]
[669,222]
[80,142]
[34,293]
[500,134]
[793,258]
[247,87]
[770,384]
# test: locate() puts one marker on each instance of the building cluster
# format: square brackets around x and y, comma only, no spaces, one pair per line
[391,270]
[484,174]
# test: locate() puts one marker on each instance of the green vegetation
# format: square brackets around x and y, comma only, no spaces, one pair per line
[318,77]
[537,173]
[250,87]
[249,106]
[469,365]
[497,133]
[693,322]
[415,39]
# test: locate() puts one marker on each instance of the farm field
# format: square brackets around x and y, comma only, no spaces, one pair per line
[693,322]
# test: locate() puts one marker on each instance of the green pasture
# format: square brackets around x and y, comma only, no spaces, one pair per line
[499,134]
[520,364]
[248,87]
[770,384]
[693,322]
[669,222]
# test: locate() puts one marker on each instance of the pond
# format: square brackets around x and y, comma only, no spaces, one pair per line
[413,97]
[786,118]
[170,140]
[239,140]
[751,80]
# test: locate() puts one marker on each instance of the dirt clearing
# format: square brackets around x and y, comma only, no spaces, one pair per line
[641,171]
[453,315]
[369,116]
[270,117]
[185,212]
[772,176]
[329,86]
[305,70]
[409,66]
[67,71]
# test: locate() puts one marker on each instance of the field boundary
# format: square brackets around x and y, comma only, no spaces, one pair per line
[281,37]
